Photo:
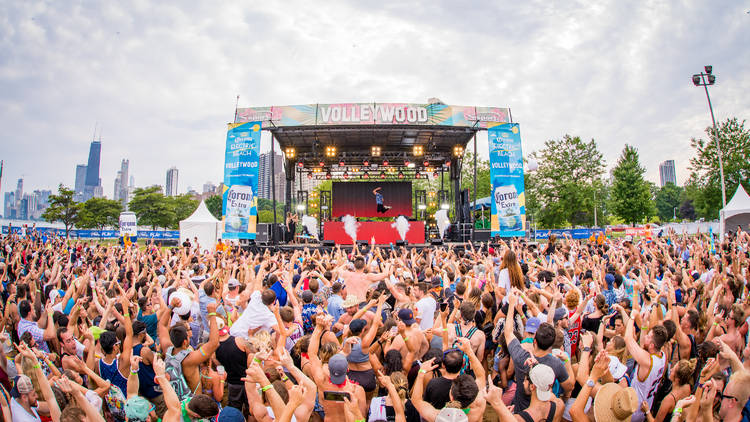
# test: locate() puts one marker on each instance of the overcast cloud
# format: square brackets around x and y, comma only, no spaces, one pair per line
[161,78]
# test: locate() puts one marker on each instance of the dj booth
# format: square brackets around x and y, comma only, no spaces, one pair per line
[383,231]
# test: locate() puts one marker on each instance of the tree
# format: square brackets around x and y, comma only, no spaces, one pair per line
[183,206]
[99,213]
[631,194]
[734,141]
[561,191]
[687,210]
[666,200]
[215,204]
[62,208]
[152,208]
[484,184]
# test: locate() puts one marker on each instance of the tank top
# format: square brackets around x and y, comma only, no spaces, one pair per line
[111,373]
[356,355]
[147,387]
[233,359]
[647,388]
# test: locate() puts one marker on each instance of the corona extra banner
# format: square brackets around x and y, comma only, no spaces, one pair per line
[240,210]
[506,173]
[374,114]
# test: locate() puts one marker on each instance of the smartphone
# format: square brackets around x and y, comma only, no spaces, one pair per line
[336,395]
[394,330]
[443,306]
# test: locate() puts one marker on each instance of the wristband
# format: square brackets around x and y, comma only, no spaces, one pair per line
[359,420]
[677,411]
[126,315]
[134,372]
[201,350]
[644,328]
[716,323]
[212,314]
[405,338]
[256,360]
[266,388]
[52,313]
[37,366]
[422,371]
[445,329]
[285,378]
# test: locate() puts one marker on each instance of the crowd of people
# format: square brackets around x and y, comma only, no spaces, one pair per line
[602,329]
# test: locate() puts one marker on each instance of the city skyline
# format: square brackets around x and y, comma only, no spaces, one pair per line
[619,81]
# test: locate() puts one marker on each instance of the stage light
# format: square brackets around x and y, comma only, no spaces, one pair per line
[300,164]
[417,175]
[330,151]
[317,170]
[315,194]
[411,165]
[426,163]
[447,163]
[354,169]
[366,163]
[346,175]
[322,164]
[418,150]
[400,175]
[458,151]
[328,175]
[406,163]
[300,207]
[444,206]
[435,175]
[422,206]
[375,151]
[382,175]
[289,153]
[309,175]
[385,162]
[366,175]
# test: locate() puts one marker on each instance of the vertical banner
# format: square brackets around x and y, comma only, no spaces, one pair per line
[240,211]
[506,174]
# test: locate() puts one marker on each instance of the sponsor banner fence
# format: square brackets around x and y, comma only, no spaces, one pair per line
[374,114]
[242,159]
[573,233]
[97,234]
[508,202]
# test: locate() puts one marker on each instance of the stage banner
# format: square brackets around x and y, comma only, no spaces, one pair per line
[374,114]
[506,173]
[241,162]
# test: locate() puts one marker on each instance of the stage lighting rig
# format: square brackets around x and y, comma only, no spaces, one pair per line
[375,151]
[290,152]
[385,163]
[330,151]
[418,150]
[458,151]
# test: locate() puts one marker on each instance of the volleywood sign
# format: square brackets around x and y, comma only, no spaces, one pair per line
[374,114]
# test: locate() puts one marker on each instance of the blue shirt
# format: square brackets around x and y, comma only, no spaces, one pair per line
[280,293]
[334,307]
[378,198]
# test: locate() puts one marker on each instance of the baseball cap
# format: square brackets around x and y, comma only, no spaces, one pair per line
[21,385]
[451,414]
[629,238]
[357,325]
[55,293]
[616,368]
[532,325]
[137,408]
[542,376]
[560,313]
[185,303]
[230,414]
[233,283]
[407,316]
[338,366]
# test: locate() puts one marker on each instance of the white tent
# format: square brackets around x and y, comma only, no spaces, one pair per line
[736,213]
[203,225]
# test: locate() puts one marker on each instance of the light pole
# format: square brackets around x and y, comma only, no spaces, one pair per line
[704,80]
[674,213]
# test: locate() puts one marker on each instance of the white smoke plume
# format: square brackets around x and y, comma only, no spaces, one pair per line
[443,222]
[311,224]
[402,226]
[351,226]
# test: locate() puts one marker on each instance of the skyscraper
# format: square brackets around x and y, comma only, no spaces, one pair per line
[93,187]
[171,186]
[80,182]
[120,192]
[667,173]
[19,192]
[265,175]
[10,205]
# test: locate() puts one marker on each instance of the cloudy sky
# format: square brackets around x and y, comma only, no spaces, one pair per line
[160,78]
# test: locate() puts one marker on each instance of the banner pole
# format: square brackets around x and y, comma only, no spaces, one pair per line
[273,186]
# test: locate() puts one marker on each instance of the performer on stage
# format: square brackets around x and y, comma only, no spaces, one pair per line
[379,200]
[291,226]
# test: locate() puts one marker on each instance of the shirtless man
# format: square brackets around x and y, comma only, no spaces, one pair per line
[412,335]
[732,322]
[466,328]
[332,377]
[358,281]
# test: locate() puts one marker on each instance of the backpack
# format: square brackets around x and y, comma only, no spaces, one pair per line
[173,369]
[115,400]
[471,332]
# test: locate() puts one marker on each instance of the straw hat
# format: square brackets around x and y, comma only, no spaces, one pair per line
[350,301]
[614,403]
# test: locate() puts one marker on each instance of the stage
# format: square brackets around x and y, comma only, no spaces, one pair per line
[384,232]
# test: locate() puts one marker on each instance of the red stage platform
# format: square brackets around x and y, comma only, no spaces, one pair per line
[381,230]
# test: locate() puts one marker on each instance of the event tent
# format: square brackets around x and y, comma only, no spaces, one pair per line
[736,212]
[203,225]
